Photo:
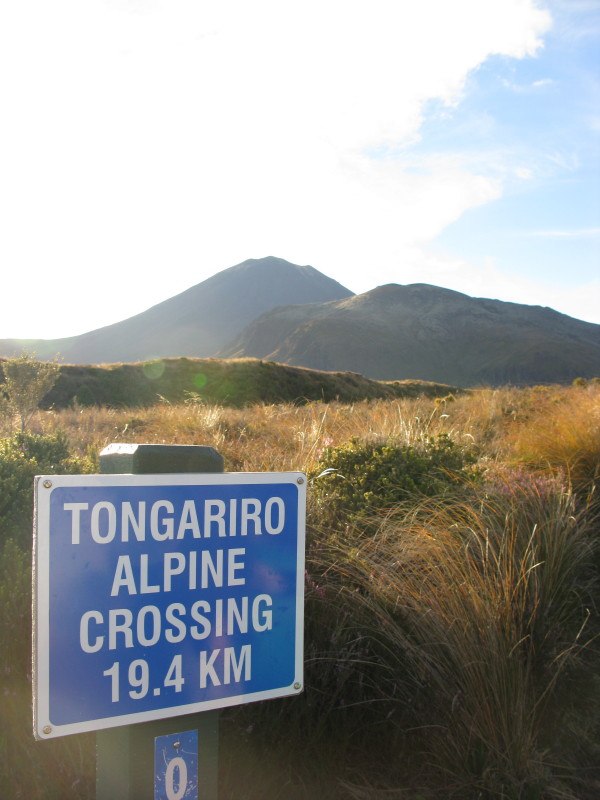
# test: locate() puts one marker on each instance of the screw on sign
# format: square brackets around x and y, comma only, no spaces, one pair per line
[176,766]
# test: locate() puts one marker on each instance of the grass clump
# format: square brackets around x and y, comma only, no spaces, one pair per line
[563,434]
[483,610]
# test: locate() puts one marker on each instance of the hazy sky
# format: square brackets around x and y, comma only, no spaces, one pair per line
[147,144]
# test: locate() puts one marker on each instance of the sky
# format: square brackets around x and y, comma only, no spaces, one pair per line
[147,144]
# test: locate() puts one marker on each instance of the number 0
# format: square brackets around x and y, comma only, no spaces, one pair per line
[180,765]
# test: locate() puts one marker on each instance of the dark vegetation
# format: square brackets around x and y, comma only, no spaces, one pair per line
[451,595]
[236,382]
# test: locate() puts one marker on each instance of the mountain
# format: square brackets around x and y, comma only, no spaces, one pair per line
[197,322]
[270,309]
[427,333]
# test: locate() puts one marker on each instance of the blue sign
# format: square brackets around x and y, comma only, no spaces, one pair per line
[176,766]
[160,595]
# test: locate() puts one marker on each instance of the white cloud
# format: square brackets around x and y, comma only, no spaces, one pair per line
[524,173]
[151,143]
[527,88]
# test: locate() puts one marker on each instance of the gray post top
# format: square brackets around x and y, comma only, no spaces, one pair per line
[148,459]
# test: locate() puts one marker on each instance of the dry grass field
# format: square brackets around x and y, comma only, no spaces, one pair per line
[289,436]
[451,594]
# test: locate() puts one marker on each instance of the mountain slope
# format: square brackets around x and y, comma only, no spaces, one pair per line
[197,322]
[427,333]
[232,382]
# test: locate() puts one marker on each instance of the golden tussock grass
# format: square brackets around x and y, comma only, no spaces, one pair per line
[285,436]
[564,434]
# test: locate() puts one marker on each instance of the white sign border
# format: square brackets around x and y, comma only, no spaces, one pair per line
[43,728]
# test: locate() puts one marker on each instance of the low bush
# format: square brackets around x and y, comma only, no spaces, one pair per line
[24,384]
[29,769]
[360,479]
[22,456]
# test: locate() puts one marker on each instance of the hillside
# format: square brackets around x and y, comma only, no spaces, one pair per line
[197,322]
[427,333]
[231,383]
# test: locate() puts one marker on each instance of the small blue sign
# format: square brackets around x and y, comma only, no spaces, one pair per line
[159,595]
[176,766]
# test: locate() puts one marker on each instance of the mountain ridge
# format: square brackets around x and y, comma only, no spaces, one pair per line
[274,310]
[425,332]
[196,322]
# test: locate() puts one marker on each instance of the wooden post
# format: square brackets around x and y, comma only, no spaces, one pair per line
[125,755]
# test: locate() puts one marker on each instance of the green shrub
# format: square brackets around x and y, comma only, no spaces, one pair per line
[15,610]
[16,490]
[362,478]
[22,456]
[26,383]
[58,770]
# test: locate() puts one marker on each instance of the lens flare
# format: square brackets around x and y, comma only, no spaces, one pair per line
[154,369]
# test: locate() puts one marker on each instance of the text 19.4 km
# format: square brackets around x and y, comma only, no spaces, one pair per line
[215,668]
